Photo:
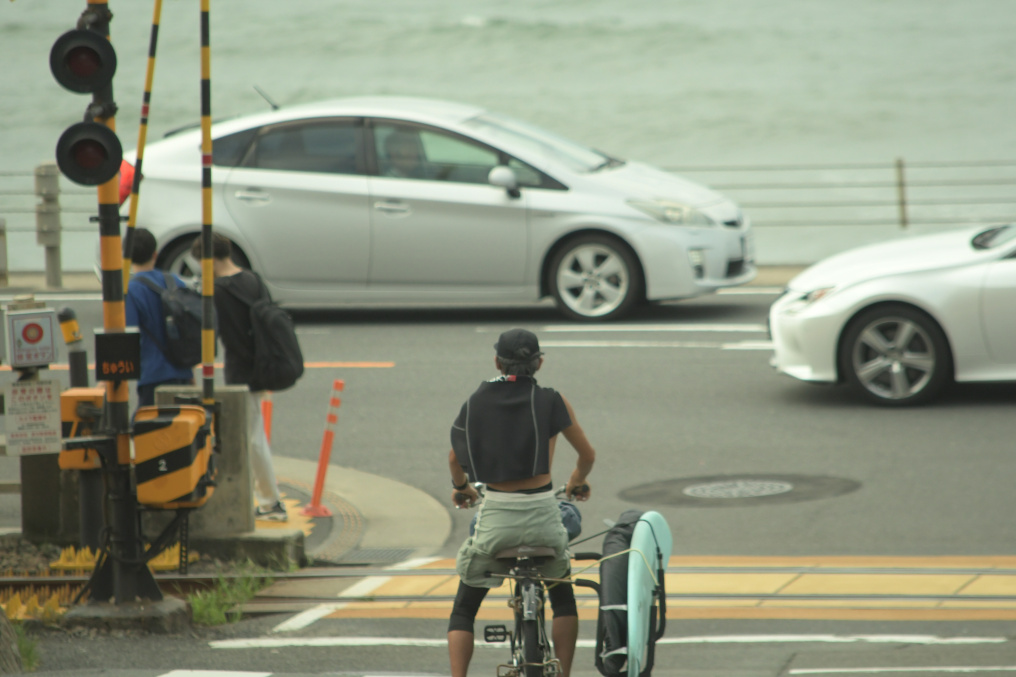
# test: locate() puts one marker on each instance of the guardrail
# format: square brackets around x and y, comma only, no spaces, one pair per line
[900,195]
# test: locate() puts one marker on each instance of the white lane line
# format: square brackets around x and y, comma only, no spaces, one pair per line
[361,588]
[214,673]
[716,345]
[833,639]
[726,327]
[929,670]
[749,291]
[4,298]
[284,642]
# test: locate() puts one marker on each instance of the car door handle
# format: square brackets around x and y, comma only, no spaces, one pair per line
[390,207]
[252,195]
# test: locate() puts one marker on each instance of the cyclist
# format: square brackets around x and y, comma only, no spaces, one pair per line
[505,437]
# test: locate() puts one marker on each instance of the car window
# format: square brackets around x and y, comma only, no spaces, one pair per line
[404,151]
[228,151]
[330,146]
[540,142]
[410,152]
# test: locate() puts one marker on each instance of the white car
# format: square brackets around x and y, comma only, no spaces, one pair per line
[899,321]
[387,200]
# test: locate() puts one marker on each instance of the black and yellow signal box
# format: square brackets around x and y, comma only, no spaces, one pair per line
[173,462]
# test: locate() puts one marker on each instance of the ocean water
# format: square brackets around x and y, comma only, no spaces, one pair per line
[678,84]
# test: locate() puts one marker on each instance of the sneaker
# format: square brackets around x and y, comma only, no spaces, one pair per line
[277,513]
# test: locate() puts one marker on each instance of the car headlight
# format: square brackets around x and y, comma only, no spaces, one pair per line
[676,213]
[806,299]
[817,294]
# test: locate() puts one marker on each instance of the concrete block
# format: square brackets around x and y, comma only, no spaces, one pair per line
[277,549]
[230,510]
[169,615]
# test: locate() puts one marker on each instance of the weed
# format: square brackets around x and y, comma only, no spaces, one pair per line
[27,647]
[220,604]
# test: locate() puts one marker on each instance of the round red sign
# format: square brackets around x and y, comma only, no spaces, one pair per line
[32,333]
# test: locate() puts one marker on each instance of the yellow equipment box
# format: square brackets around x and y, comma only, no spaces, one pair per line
[173,462]
[80,410]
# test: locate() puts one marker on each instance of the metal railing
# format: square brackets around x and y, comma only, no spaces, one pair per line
[899,193]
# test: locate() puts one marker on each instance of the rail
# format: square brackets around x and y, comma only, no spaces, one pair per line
[899,193]
[896,196]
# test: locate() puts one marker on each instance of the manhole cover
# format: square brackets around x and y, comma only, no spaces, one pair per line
[737,489]
[731,491]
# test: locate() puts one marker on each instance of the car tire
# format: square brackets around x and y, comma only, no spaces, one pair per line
[895,355]
[595,277]
[177,258]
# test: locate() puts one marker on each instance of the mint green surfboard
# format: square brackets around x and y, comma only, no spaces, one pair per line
[652,534]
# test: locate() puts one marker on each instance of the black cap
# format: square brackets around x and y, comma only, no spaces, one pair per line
[518,345]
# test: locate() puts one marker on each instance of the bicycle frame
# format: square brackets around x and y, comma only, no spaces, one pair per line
[531,652]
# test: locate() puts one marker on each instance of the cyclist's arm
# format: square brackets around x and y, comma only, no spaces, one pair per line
[576,437]
[466,496]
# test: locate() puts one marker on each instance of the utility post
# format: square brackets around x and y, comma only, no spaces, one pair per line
[89,153]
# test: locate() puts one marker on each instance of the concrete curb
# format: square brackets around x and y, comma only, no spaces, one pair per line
[396,516]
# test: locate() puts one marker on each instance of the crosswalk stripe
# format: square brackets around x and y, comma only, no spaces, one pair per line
[425,642]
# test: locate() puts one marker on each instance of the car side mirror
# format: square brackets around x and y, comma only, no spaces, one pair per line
[505,178]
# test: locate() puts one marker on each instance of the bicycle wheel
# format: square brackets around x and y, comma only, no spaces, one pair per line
[532,652]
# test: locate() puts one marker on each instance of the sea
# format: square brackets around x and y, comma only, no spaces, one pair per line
[682,84]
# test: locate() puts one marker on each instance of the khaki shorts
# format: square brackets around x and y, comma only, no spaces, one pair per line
[508,520]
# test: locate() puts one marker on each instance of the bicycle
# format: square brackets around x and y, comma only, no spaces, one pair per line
[531,651]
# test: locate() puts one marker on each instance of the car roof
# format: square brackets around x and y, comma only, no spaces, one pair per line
[402,107]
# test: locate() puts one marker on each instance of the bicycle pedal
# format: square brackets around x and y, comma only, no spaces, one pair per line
[495,633]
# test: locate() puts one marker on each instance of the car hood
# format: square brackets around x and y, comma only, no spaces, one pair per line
[638,180]
[907,255]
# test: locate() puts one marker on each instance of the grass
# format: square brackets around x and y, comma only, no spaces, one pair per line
[221,604]
[27,647]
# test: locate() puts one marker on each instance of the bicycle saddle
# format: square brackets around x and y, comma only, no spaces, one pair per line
[529,551]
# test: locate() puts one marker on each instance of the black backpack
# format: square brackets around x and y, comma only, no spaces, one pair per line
[181,315]
[278,360]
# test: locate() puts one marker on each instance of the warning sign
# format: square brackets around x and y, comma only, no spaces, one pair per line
[33,417]
[31,337]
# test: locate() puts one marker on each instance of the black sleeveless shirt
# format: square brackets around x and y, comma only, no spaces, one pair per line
[503,431]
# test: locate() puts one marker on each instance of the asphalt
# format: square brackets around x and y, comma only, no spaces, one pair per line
[374,519]
[379,522]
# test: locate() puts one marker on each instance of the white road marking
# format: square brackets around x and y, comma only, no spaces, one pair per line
[43,296]
[749,291]
[686,327]
[214,673]
[283,642]
[361,588]
[716,345]
[834,639]
[929,670]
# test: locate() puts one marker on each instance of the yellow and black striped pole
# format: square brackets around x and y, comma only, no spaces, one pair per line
[124,579]
[128,243]
[207,272]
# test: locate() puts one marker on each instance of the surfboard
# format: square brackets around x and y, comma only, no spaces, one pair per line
[652,533]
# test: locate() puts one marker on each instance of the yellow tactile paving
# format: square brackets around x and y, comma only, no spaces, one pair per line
[990,584]
[737,584]
[860,602]
[876,584]
[887,588]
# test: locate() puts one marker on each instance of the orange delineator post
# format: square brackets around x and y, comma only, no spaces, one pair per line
[266,413]
[315,509]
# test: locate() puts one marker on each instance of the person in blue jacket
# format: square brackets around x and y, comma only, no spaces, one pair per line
[144,311]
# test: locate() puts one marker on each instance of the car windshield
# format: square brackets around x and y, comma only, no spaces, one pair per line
[541,143]
[994,237]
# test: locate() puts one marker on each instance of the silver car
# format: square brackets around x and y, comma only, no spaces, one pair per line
[387,200]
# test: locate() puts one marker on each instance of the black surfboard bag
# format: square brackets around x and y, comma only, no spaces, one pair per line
[612,620]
